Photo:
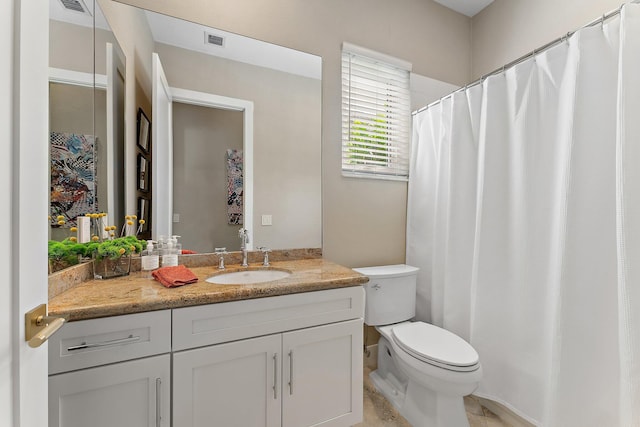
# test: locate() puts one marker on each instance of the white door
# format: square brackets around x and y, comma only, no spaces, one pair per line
[323,375]
[115,133]
[24,166]
[132,394]
[162,153]
[232,385]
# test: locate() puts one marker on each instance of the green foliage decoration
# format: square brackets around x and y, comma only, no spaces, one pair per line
[69,251]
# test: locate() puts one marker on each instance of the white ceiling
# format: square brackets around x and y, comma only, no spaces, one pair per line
[466,7]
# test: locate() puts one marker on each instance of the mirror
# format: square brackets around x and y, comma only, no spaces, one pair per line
[286,132]
[86,122]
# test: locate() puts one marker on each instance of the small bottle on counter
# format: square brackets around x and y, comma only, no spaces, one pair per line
[149,259]
[170,253]
[161,246]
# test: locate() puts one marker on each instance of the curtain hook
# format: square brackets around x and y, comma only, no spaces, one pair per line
[602,21]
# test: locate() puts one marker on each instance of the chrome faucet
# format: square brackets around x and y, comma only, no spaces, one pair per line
[244,239]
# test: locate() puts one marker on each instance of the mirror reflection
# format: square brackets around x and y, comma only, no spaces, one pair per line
[283,87]
[285,92]
[86,104]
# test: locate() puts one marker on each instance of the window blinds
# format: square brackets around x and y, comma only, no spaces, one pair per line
[376,118]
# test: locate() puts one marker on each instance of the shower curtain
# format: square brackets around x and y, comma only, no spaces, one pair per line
[524,218]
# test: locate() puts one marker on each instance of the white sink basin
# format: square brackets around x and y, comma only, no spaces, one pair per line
[247,277]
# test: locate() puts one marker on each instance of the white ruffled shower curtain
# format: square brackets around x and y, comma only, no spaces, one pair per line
[524,218]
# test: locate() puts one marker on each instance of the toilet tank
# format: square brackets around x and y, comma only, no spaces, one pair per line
[390,293]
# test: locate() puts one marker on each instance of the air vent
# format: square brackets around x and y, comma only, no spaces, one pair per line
[213,39]
[74,5]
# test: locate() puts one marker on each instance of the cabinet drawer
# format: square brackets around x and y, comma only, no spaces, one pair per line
[230,321]
[94,342]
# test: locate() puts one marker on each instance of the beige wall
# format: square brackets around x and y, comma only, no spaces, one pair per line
[201,137]
[70,47]
[508,29]
[364,221]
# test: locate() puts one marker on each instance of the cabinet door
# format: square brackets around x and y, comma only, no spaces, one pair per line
[229,385]
[131,394]
[323,375]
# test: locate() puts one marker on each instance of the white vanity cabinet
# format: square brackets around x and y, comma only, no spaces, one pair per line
[288,361]
[292,361]
[110,372]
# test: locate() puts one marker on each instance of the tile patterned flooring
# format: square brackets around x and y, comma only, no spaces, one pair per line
[378,412]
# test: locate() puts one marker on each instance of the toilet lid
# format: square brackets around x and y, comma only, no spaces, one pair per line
[436,346]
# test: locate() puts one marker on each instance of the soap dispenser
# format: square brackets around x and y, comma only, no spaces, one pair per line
[150,260]
[161,245]
[170,254]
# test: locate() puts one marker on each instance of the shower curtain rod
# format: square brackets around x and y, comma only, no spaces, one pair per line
[529,55]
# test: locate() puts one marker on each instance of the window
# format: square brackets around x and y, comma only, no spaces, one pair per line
[376,116]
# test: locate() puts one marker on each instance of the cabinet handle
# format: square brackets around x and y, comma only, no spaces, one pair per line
[84,345]
[290,371]
[158,401]
[275,375]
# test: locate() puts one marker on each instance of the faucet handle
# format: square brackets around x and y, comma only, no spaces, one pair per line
[243,233]
[221,252]
[265,251]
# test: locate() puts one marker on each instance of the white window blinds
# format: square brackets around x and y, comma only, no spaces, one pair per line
[376,117]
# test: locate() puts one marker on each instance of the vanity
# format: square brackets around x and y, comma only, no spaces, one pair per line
[281,353]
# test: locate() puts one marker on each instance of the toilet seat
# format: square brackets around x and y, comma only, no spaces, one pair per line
[435,346]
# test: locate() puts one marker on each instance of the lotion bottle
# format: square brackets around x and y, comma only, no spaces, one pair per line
[170,253]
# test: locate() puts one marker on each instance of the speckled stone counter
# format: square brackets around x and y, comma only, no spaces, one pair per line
[134,293]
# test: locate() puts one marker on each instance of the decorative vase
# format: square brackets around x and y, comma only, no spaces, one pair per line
[60,263]
[107,268]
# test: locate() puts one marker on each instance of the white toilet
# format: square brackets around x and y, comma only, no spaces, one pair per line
[423,370]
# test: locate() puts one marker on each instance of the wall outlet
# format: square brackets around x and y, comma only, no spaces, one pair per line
[176,217]
[267,220]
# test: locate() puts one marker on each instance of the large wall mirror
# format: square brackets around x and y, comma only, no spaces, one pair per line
[200,168]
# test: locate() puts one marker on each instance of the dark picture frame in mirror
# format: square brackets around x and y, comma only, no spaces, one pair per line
[144,172]
[143,213]
[144,126]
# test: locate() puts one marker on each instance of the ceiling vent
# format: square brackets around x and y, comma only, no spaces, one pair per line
[213,39]
[75,5]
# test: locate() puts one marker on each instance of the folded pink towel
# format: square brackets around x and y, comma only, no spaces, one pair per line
[172,277]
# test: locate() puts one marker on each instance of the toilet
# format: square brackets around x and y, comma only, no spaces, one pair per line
[423,370]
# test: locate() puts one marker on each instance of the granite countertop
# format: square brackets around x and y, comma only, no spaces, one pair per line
[135,293]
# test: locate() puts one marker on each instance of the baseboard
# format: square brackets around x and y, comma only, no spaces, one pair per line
[504,413]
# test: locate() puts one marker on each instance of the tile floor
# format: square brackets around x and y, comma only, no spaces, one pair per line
[378,412]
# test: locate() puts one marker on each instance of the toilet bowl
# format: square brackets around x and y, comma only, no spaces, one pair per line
[423,370]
